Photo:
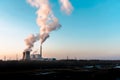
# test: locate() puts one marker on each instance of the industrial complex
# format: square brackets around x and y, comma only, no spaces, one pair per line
[35,56]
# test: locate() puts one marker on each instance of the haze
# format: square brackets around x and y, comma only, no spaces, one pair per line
[91,31]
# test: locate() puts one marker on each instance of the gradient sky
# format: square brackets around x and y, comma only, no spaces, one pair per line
[92,31]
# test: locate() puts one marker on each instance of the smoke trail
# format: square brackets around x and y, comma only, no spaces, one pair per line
[66,6]
[30,40]
[45,18]
[35,51]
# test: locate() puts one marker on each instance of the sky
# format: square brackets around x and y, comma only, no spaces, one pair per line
[91,31]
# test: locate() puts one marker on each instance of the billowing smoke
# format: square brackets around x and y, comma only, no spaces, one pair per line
[35,51]
[66,6]
[45,18]
[30,40]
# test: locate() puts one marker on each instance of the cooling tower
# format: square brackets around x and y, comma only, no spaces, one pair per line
[26,55]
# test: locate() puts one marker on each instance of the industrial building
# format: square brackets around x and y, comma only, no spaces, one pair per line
[27,56]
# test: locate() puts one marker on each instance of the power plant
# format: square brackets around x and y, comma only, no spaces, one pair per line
[47,22]
[35,56]
[28,56]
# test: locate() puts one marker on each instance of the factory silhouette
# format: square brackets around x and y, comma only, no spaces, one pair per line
[37,56]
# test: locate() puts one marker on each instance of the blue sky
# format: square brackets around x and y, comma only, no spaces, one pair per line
[90,32]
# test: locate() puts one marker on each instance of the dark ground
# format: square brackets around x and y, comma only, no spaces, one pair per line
[60,70]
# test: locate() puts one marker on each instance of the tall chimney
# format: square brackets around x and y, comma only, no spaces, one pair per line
[41,51]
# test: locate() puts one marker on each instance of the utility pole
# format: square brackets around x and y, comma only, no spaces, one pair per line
[4,58]
[67,57]
[16,57]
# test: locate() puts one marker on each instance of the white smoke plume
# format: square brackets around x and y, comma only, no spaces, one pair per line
[30,40]
[66,6]
[45,18]
[35,51]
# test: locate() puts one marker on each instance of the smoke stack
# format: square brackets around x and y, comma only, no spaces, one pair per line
[41,51]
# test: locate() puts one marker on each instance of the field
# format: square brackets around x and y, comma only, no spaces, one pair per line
[60,70]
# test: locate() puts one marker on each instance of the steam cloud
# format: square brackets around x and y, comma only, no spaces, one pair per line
[45,20]
[30,40]
[66,6]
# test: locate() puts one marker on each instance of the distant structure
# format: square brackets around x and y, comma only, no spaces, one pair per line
[26,55]
[38,57]
[4,58]
[41,51]
[35,56]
